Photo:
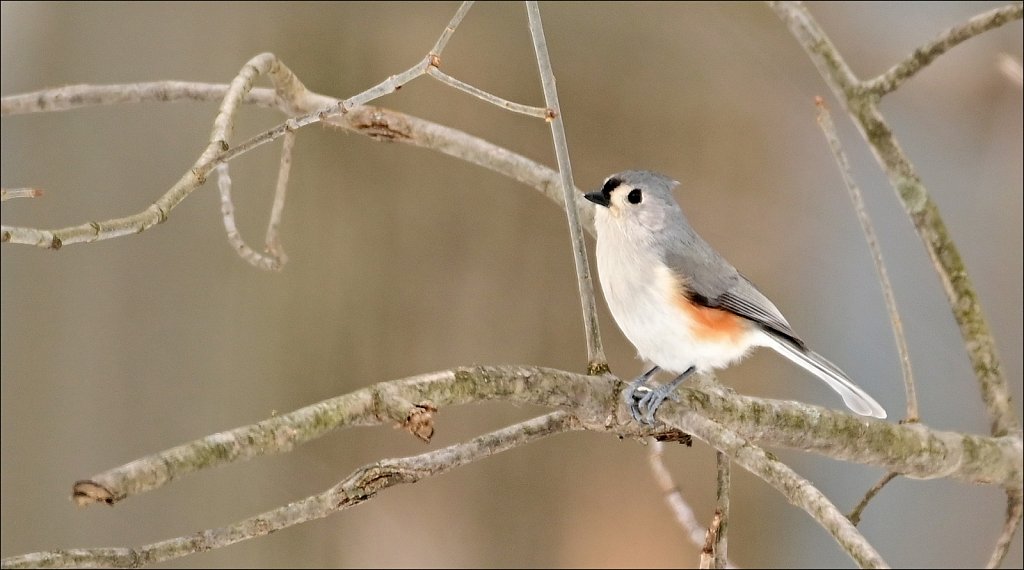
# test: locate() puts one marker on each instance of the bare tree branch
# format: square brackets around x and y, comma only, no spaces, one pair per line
[795,488]
[914,449]
[829,129]
[72,97]
[922,56]
[289,92]
[854,515]
[730,423]
[722,489]
[681,510]
[449,30]
[597,363]
[536,112]
[359,487]
[923,212]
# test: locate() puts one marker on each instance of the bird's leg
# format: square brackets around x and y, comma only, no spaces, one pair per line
[652,400]
[631,397]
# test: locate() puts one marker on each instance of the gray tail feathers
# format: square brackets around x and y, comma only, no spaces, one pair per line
[855,398]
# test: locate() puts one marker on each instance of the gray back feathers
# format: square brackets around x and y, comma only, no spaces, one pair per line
[710,279]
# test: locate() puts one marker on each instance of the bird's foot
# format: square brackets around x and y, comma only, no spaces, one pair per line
[636,392]
[644,406]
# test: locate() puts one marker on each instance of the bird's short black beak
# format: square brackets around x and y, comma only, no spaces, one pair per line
[599,198]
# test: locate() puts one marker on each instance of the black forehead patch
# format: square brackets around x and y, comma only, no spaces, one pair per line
[610,185]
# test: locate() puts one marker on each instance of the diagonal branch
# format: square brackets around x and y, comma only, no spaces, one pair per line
[798,490]
[1014,513]
[362,485]
[892,79]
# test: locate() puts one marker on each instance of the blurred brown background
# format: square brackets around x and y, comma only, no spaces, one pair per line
[405,261]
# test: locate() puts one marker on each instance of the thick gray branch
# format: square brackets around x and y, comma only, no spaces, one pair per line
[913,450]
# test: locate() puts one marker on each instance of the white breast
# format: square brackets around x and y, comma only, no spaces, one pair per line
[639,290]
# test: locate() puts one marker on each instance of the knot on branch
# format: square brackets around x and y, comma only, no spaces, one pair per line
[420,421]
[380,125]
[87,492]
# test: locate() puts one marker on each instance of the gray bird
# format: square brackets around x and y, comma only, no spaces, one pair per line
[684,307]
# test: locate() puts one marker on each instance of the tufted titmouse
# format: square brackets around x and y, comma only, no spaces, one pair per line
[684,307]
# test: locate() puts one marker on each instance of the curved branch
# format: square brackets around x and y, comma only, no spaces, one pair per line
[798,490]
[914,449]
[922,56]
[923,212]
[289,92]
[359,487]
[375,122]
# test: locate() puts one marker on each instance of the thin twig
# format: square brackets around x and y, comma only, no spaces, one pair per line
[795,488]
[708,554]
[288,90]
[443,77]
[1014,512]
[227,210]
[446,34]
[682,511]
[855,514]
[291,95]
[70,97]
[12,193]
[829,129]
[597,363]
[922,56]
[722,489]
[273,239]
[362,485]
[923,212]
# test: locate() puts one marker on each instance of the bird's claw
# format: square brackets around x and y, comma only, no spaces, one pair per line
[643,402]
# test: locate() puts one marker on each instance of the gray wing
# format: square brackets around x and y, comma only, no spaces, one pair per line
[714,282]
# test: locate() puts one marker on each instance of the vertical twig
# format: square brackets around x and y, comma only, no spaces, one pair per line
[724,483]
[597,363]
[227,210]
[829,129]
[708,553]
[273,240]
[682,511]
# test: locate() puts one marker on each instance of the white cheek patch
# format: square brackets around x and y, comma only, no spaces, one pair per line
[617,206]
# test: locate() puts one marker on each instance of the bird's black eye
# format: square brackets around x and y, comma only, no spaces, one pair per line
[635,196]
